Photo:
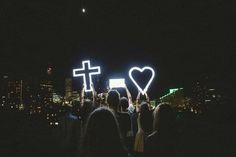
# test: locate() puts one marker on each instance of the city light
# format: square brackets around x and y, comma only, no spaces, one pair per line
[82,72]
[116,83]
[143,91]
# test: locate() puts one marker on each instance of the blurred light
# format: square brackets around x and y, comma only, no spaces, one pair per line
[83,10]
[117,83]
[211,89]
[56,123]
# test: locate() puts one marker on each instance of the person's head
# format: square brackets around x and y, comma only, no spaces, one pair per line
[102,134]
[113,99]
[102,99]
[164,118]
[124,104]
[86,109]
[146,118]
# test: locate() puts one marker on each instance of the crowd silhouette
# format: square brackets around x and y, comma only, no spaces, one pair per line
[118,127]
[109,124]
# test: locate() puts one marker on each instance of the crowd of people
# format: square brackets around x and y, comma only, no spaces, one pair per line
[118,127]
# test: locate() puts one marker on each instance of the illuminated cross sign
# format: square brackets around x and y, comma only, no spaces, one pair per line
[86,72]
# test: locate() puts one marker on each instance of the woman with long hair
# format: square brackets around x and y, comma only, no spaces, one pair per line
[102,136]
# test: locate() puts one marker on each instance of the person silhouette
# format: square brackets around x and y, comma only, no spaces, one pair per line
[124,121]
[144,121]
[102,136]
[162,141]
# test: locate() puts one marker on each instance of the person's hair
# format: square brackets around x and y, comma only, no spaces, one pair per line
[113,99]
[164,118]
[146,118]
[86,109]
[124,103]
[102,135]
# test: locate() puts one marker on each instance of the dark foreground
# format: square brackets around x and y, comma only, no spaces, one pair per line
[23,136]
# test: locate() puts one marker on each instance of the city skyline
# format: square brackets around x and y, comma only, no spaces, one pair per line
[59,58]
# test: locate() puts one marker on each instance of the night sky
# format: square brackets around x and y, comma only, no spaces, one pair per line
[182,39]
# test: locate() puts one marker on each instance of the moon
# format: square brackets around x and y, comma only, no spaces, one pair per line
[83,10]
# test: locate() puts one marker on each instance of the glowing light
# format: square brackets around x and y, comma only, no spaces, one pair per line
[83,10]
[82,72]
[143,91]
[56,123]
[117,83]
[173,90]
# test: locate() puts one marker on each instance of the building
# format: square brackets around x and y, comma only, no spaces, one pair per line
[12,93]
[68,88]
[177,99]
[206,95]
[3,91]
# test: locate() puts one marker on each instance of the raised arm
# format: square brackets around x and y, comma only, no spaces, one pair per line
[147,98]
[82,96]
[94,94]
[128,95]
[138,98]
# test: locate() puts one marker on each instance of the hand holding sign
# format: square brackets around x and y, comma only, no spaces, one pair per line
[87,72]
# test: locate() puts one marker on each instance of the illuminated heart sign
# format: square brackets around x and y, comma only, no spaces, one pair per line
[146,68]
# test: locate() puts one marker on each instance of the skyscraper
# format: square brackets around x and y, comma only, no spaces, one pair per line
[68,88]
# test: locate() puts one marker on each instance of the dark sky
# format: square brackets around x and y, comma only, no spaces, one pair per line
[180,39]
